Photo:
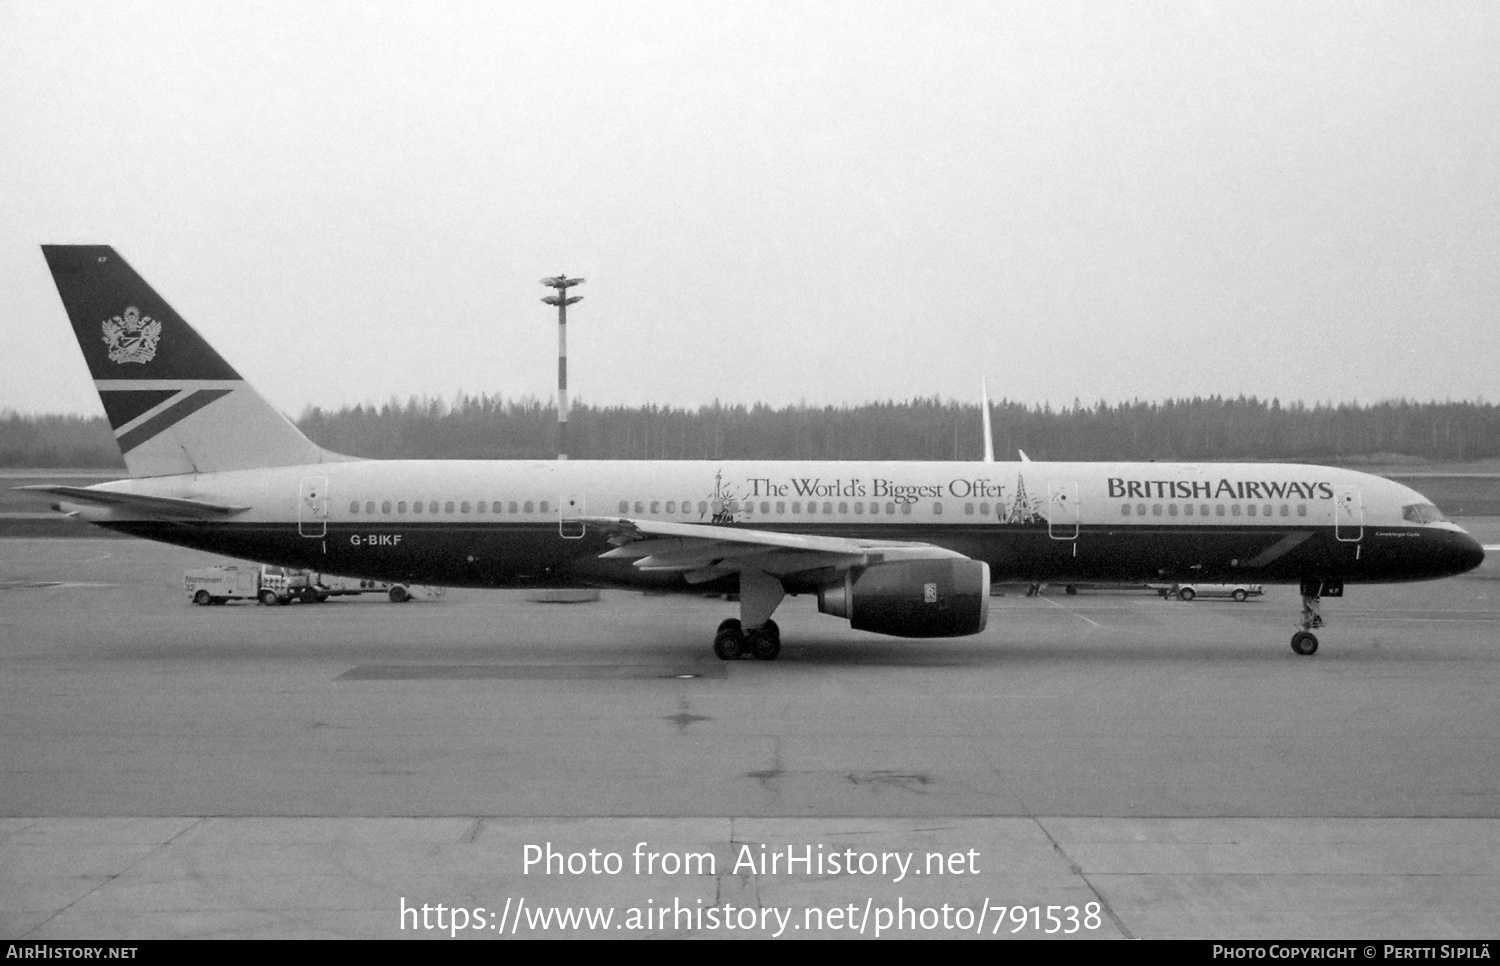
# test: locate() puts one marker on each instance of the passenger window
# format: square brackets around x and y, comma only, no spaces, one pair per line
[827,507]
[448,507]
[1250,509]
[527,506]
[937,509]
[1187,509]
[385,507]
[1219,510]
[796,506]
[416,506]
[369,506]
[544,506]
[843,509]
[655,507]
[859,508]
[624,506]
[890,508]
[671,506]
[1266,509]
[1140,509]
[968,509]
[1124,509]
[703,508]
[1171,509]
[765,506]
[640,507]
[354,506]
[906,509]
[432,506]
[780,506]
[513,507]
[1156,509]
[812,506]
[496,507]
[1286,510]
[481,506]
[401,507]
[1203,509]
[1234,511]
[463,507]
[1302,509]
[984,508]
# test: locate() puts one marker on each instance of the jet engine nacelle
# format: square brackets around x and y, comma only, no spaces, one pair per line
[912,598]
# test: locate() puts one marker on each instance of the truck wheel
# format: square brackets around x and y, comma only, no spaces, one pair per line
[398,595]
[203,598]
[269,598]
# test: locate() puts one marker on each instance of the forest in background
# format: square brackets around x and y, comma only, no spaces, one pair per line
[491,427]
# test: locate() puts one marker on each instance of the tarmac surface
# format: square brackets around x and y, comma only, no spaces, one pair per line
[1161,769]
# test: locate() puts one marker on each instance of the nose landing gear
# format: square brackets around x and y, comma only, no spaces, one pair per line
[1305,642]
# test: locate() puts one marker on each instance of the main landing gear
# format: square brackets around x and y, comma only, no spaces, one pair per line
[762,643]
[754,634]
[1305,642]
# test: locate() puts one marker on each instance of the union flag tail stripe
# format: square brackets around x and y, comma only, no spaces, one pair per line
[124,405]
[169,417]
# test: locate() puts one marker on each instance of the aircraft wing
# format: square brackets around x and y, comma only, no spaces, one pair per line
[703,552]
[158,506]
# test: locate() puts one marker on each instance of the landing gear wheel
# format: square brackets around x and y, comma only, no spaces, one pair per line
[1240,596]
[729,641]
[203,598]
[765,641]
[1186,593]
[1305,643]
[398,595]
[269,598]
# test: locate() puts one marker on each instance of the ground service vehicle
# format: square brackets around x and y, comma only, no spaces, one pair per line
[272,584]
[218,585]
[1239,592]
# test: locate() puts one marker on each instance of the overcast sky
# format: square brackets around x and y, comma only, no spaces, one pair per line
[830,202]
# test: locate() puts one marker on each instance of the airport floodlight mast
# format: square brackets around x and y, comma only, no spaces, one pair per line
[562,283]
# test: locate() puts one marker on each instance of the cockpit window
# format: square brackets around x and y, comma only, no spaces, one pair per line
[1422,513]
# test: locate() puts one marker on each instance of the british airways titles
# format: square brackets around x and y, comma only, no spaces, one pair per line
[1119,488]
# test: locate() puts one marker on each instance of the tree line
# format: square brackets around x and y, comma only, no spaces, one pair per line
[491,427]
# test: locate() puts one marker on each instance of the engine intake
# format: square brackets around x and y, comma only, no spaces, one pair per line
[912,598]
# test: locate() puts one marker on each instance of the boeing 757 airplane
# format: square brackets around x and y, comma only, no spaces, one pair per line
[900,548]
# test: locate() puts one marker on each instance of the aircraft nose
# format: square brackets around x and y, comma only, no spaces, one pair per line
[1456,552]
[1468,554]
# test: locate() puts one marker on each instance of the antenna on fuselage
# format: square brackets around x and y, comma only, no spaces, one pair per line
[989,437]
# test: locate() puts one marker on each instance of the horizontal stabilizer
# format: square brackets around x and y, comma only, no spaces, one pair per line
[158,506]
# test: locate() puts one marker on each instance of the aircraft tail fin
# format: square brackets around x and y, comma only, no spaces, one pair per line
[173,402]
